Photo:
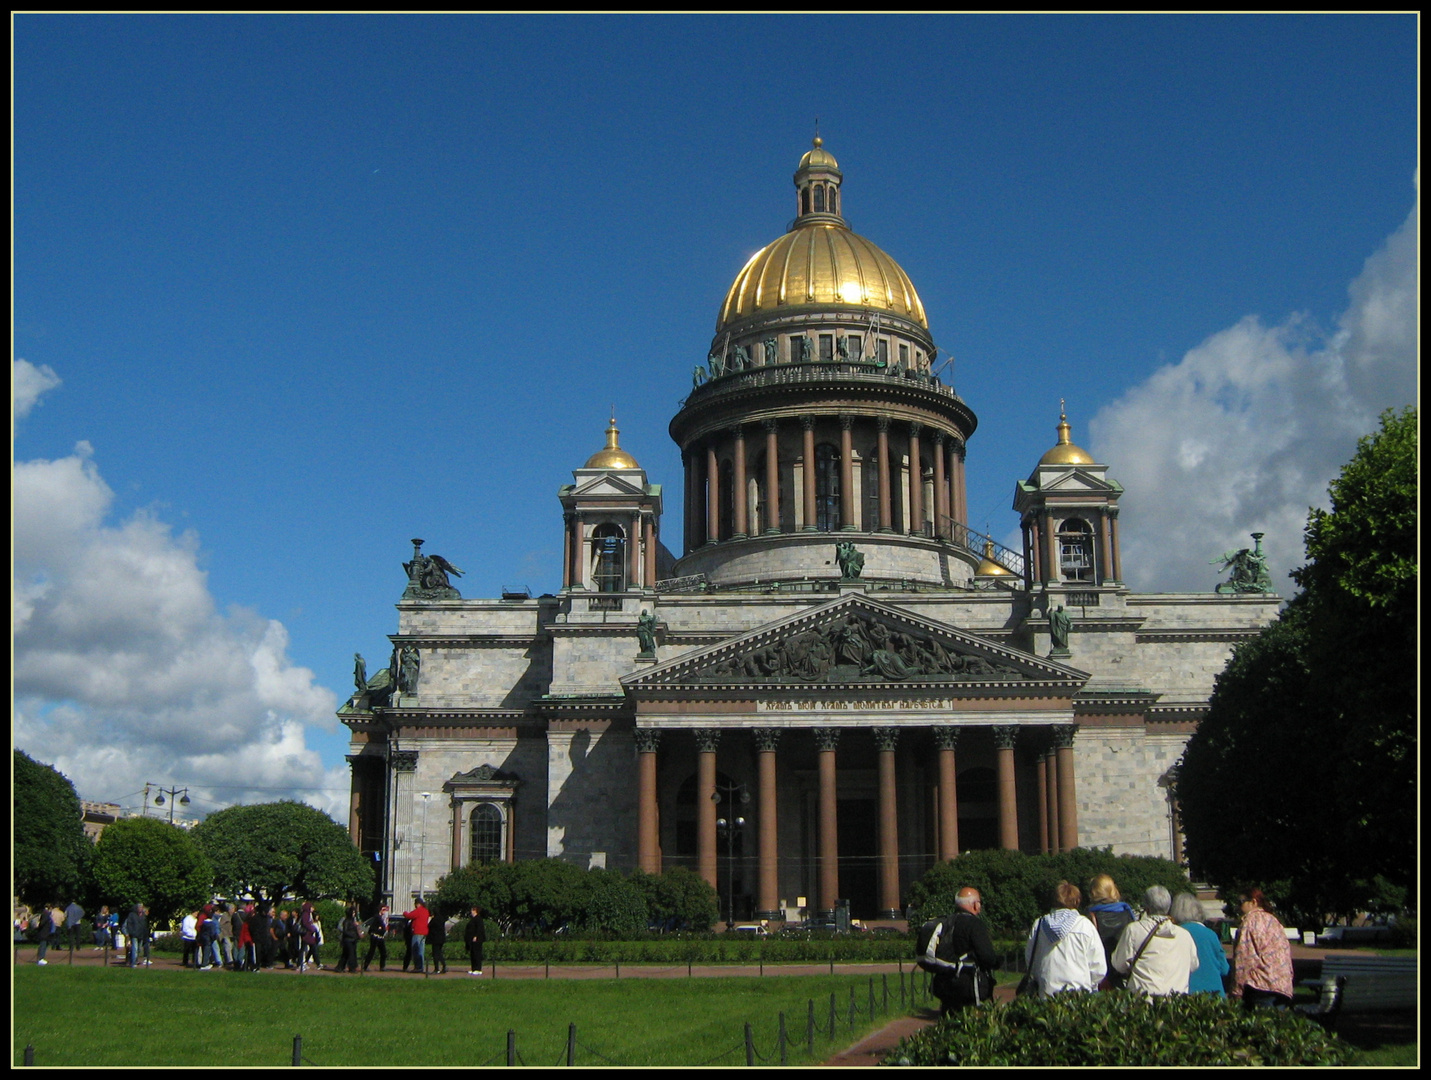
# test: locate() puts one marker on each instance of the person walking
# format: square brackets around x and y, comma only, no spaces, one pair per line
[309,929]
[406,942]
[45,933]
[437,941]
[101,928]
[1063,950]
[1156,954]
[1111,916]
[188,934]
[964,955]
[418,919]
[136,931]
[378,939]
[226,936]
[74,923]
[1211,958]
[1262,958]
[349,931]
[475,936]
[293,939]
[246,959]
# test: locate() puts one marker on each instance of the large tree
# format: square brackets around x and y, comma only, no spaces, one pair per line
[1302,775]
[52,853]
[270,850]
[148,861]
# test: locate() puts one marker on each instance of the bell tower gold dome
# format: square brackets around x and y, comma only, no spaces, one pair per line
[820,262]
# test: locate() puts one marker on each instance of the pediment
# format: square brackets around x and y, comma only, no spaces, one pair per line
[855,641]
[1077,480]
[609,484]
[482,774]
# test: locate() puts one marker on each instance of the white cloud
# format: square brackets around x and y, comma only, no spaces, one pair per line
[1247,430]
[27,383]
[126,672]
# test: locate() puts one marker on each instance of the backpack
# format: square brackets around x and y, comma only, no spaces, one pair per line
[926,944]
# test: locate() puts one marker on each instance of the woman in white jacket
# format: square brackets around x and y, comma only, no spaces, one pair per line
[1064,951]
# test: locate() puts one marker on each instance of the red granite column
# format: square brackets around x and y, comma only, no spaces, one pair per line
[712,495]
[1067,797]
[633,556]
[355,802]
[1050,547]
[941,489]
[946,736]
[772,476]
[566,552]
[1105,548]
[959,495]
[1041,770]
[768,890]
[739,496]
[1117,554]
[511,833]
[578,553]
[916,483]
[1051,802]
[648,822]
[885,518]
[707,739]
[1004,736]
[885,740]
[650,581]
[455,863]
[849,511]
[826,740]
[807,423]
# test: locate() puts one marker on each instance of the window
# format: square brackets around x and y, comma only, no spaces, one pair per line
[486,833]
[834,200]
[827,348]
[904,356]
[882,352]
[819,199]
[608,545]
[827,488]
[857,347]
[1075,550]
[805,201]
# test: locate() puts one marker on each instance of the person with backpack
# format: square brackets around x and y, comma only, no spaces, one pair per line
[349,931]
[1111,915]
[378,939]
[960,954]
[1156,954]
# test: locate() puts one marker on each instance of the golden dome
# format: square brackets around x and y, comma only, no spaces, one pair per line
[988,567]
[1066,453]
[821,265]
[819,157]
[611,456]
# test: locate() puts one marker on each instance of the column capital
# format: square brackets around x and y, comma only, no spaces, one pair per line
[771,425]
[882,423]
[707,739]
[736,431]
[647,740]
[353,759]
[807,422]
[847,421]
[1062,735]
[938,438]
[1005,735]
[766,739]
[885,738]
[946,736]
[826,738]
[403,760]
[915,429]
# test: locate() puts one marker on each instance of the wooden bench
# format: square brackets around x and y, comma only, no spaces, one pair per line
[1361,984]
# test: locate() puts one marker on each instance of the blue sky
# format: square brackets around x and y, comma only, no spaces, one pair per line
[292,290]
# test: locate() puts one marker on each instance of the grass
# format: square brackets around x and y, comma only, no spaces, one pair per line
[155,1017]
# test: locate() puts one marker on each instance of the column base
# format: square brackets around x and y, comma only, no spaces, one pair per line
[890,913]
[770,916]
[773,532]
[739,536]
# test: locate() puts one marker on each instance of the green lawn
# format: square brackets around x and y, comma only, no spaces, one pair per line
[119,1016]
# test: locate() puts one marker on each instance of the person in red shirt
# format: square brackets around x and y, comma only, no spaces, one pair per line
[418,917]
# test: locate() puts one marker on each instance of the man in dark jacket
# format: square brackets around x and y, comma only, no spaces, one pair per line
[378,939]
[475,935]
[965,956]
[136,931]
[436,942]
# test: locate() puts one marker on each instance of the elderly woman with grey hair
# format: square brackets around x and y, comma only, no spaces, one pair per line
[1156,954]
[1211,958]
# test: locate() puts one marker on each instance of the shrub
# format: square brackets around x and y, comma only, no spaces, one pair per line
[1121,1029]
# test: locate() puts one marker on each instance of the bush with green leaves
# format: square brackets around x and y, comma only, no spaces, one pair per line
[51,853]
[1017,888]
[678,897]
[1121,1028]
[145,860]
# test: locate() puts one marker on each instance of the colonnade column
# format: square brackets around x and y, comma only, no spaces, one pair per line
[885,519]
[958,495]
[768,890]
[1051,797]
[941,489]
[826,740]
[1105,548]
[1050,547]
[566,552]
[740,503]
[707,739]
[1067,796]
[945,738]
[650,581]
[849,511]
[578,547]
[355,801]
[1117,555]
[633,553]
[885,740]
[807,423]
[648,821]
[1004,736]
[455,863]
[772,476]
[712,495]
[1041,771]
[916,482]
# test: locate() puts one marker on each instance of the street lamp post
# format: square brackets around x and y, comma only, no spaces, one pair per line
[171,792]
[732,826]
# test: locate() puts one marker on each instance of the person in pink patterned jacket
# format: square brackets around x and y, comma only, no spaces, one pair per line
[1262,961]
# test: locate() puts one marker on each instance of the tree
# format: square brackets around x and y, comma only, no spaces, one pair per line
[52,854]
[148,861]
[678,898]
[271,850]
[1301,778]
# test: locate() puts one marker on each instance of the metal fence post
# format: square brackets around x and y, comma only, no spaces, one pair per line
[297,1050]
[749,1046]
[571,1044]
[511,1047]
[29,1053]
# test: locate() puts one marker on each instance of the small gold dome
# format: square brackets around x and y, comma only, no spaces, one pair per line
[1066,453]
[819,157]
[988,567]
[821,265]
[611,456]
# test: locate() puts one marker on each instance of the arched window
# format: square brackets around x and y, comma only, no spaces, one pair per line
[827,488]
[819,198]
[608,552]
[1075,550]
[804,200]
[486,833]
[834,200]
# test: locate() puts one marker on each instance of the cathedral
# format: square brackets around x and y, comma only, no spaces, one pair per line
[837,682]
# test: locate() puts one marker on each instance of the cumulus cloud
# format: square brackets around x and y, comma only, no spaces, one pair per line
[27,383]
[1245,432]
[126,672]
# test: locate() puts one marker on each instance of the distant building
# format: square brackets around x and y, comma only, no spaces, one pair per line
[98,815]
[836,659]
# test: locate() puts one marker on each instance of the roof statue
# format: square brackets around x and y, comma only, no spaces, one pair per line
[1248,568]
[427,576]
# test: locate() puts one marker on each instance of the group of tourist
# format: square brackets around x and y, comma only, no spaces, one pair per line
[1165,949]
[258,936]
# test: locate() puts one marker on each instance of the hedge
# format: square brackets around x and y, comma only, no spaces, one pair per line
[1121,1028]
